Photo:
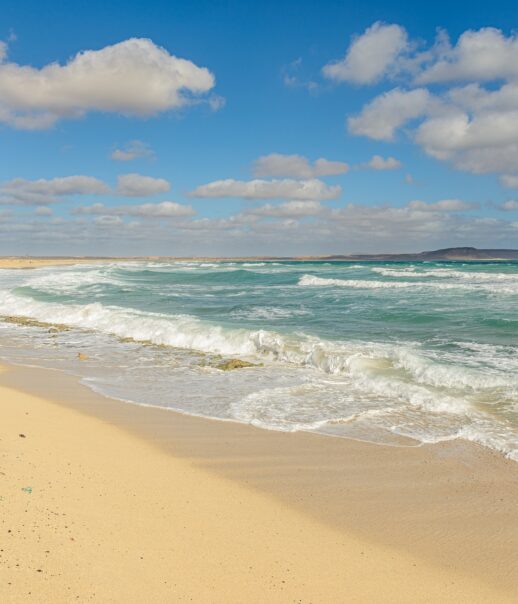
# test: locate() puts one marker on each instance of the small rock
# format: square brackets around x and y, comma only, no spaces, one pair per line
[234,364]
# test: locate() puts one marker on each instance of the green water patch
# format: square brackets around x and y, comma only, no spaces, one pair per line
[26,322]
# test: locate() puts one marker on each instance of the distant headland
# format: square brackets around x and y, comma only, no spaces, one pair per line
[449,253]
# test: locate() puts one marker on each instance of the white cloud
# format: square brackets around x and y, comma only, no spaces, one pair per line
[291,77]
[482,55]
[471,126]
[353,228]
[386,113]
[67,185]
[3,51]
[444,205]
[132,150]
[482,142]
[312,189]
[43,211]
[136,185]
[134,77]
[377,162]
[290,209]
[370,55]
[216,102]
[509,180]
[108,221]
[400,228]
[43,191]
[512,204]
[296,166]
[164,209]
[21,191]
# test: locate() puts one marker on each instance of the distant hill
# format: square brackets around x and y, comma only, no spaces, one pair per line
[449,253]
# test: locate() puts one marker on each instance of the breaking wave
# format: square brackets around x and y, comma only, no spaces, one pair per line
[321,362]
[491,287]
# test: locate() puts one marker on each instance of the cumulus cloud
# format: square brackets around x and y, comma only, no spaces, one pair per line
[136,185]
[134,77]
[377,162]
[20,191]
[43,211]
[353,228]
[296,166]
[482,55]
[370,55]
[480,140]
[382,228]
[509,180]
[132,150]
[444,205]
[164,209]
[380,118]
[290,209]
[474,126]
[510,205]
[312,189]
[108,221]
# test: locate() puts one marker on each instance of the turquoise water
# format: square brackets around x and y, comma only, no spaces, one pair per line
[398,353]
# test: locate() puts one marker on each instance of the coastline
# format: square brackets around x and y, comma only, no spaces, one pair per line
[137,504]
[445,255]
[37,262]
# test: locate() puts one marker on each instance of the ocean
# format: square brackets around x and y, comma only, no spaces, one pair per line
[394,353]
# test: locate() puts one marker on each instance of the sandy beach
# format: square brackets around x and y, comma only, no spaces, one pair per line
[36,262]
[105,501]
[110,502]
[258,302]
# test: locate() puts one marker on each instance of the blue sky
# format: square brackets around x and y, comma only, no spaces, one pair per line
[437,115]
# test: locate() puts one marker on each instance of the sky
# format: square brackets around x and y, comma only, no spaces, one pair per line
[257,128]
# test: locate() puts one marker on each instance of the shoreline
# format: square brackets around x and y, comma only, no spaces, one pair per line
[366,521]
[30,262]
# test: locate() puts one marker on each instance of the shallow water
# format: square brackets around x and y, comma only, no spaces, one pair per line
[399,353]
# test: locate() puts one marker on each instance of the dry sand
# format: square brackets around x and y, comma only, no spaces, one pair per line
[133,504]
[36,262]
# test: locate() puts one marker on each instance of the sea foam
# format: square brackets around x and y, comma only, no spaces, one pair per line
[438,365]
